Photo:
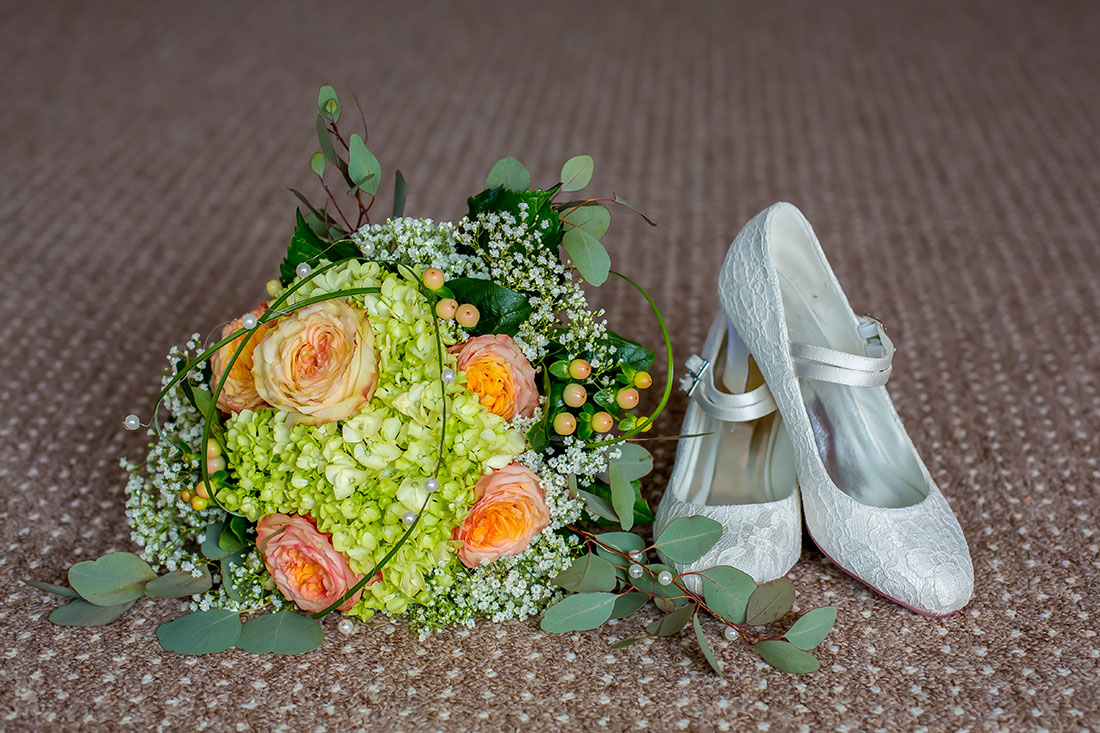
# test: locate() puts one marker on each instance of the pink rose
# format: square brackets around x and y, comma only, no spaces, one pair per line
[239,391]
[306,567]
[510,510]
[499,374]
[319,364]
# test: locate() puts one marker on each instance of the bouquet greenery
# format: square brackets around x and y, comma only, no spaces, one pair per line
[424,420]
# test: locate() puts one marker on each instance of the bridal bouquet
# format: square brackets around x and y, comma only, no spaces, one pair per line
[424,420]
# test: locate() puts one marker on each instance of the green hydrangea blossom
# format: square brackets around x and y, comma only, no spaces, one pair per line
[358,477]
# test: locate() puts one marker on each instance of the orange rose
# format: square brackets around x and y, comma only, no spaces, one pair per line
[319,364]
[499,374]
[510,510]
[305,566]
[239,391]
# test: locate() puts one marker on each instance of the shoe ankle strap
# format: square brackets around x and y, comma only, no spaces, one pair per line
[743,407]
[829,365]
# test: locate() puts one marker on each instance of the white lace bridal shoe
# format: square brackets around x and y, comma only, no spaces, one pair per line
[741,473]
[869,502]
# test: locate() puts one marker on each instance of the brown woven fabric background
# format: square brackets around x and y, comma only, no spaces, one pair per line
[947,154]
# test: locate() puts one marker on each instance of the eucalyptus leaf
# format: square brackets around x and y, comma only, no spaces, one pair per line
[622,202]
[510,174]
[588,254]
[328,103]
[704,645]
[594,219]
[642,512]
[687,539]
[325,141]
[400,192]
[634,461]
[587,574]
[82,613]
[786,657]
[114,579]
[624,643]
[672,622]
[362,165]
[597,506]
[622,496]
[178,583]
[625,541]
[769,602]
[727,591]
[210,548]
[576,173]
[362,185]
[812,627]
[227,564]
[282,632]
[317,163]
[57,590]
[578,612]
[628,603]
[202,632]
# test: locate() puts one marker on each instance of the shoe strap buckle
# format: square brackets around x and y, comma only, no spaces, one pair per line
[696,368]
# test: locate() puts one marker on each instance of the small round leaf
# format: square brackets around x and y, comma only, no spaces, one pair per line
[812,627]
[578,612]
[82,613]
[317,163]
[283,632]
[202,632]
[727,591]
[786,657]
[687,539]
[769,602]
[510,174]
[576,173]
[116,578]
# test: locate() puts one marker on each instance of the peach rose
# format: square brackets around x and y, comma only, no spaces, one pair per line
[499,374]
[305,566]
[239,391]
[319,364]
[510,510]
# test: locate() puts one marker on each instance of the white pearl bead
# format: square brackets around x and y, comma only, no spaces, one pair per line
[638,556]
[249,321]
[636,571]
[132,422]
[303,269]
[730,633]
[409,518]
[432,485]
[367,248]
[448,376]
[664,577]
[346,626]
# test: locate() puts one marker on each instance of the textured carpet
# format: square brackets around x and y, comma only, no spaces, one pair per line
[947,154]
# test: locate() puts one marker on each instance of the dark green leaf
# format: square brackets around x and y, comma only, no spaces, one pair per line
[363,167]
[588,254]
[317,164]
[672,622]
[178,583]
[509,173]
[241,528]
[630,352]
[597,506]
[624,643]
[57,590]
[539,212]
[202,632]
[325,141]
[634,461]
[560,369]
[328,103]
[622,496]
[619,200]
[210,548]
[306,246]
[687,539]
[229,541]
[400,192]
[576,173]
[502,310]
[704,645]
[727,591]
[786,657]
[578,612]
[812,627]
[82,613]
[588,573]
[628,603]
[538,437]
[593,219]
[113,579]
[282,632]
[769,602]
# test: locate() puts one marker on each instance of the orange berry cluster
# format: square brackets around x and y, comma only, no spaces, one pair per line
[466,315]
[199,496]
[575,395]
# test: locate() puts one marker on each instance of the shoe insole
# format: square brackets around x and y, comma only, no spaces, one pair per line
[863,449]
